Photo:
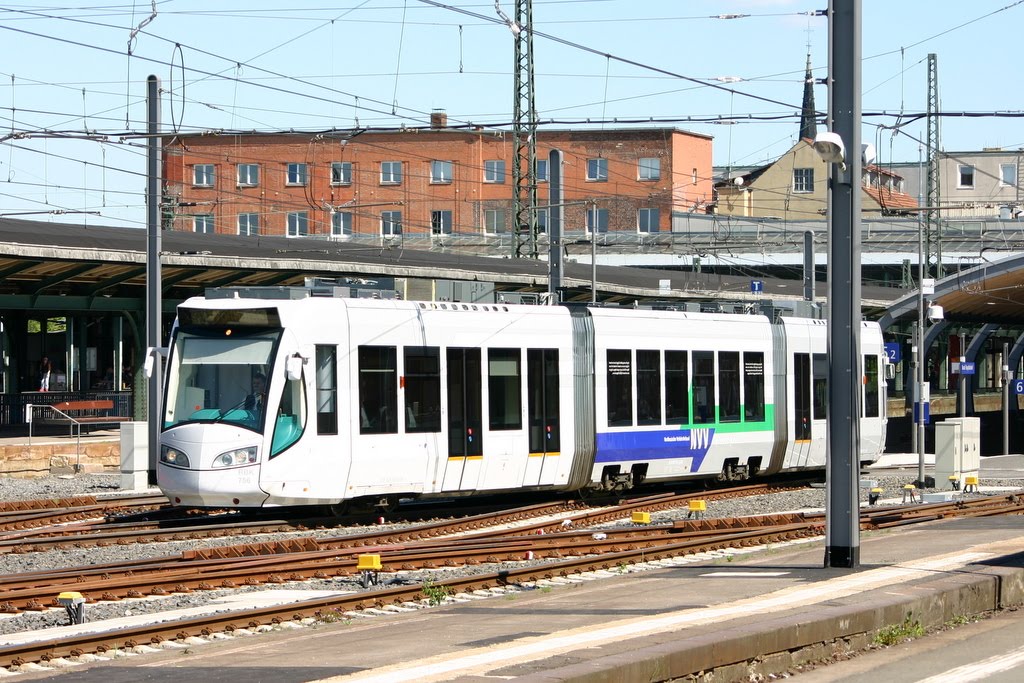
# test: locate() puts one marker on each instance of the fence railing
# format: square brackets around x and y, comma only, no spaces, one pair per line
[12,406]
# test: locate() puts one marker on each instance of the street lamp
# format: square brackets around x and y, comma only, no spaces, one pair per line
[830,148]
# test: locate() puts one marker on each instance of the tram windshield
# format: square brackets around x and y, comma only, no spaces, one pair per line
[219,379]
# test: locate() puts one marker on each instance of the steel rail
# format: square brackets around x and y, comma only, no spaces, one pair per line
[153,634]
[322,607]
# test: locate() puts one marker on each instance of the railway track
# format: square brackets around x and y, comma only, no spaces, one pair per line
[90,524]
[19,516]
[563,550]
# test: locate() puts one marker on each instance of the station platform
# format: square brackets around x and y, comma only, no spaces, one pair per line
[733,614]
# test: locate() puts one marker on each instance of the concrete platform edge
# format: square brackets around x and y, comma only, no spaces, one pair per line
[777,644]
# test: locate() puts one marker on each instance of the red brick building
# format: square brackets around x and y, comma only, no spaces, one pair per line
[434,181]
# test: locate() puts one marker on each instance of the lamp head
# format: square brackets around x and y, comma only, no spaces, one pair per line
[868,154]
[830,148]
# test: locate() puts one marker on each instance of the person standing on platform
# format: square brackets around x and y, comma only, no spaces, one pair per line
[44,374]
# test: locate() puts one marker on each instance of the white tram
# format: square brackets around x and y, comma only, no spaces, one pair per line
[374,400]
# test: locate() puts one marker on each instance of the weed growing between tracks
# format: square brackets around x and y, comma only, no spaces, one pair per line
[435,594]
[899,633]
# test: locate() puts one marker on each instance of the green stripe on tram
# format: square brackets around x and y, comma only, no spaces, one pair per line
[766,425]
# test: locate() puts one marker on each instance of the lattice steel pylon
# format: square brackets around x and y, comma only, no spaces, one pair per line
[933,223]
[524,135]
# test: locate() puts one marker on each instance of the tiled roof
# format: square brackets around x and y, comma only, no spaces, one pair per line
[889,200]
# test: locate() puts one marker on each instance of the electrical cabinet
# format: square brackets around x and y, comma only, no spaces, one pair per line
[957,450]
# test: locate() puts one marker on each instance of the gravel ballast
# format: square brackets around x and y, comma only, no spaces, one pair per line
[805,500]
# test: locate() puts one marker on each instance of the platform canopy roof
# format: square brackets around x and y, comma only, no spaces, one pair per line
[79,267]
[989,293]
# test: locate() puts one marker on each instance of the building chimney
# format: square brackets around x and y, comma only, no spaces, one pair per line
[438,119]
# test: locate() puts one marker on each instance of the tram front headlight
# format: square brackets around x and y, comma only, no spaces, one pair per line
[173,457]
[236,458]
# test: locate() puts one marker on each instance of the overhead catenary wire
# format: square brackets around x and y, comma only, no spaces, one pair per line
[615,120]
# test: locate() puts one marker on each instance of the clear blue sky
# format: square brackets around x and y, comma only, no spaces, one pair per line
[72,79]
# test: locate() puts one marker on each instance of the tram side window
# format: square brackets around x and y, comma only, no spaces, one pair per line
[648,387]
[504,388]
[620,388]
[703,387]
[326,389]
[729,386]
[290,422]
[677,388]
[871,392]
[378,390]
[820,362]
[753,386]
[422,389]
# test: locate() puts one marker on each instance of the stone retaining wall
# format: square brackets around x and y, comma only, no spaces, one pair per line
[46,458]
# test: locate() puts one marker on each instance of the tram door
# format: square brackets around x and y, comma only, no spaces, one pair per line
[465,435]
[542,415]
[801,407]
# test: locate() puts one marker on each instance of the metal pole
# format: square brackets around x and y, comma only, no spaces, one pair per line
[593,256]
[556,257]
[962,382]
[809,265]
[922,394]
[842,527]
[1006,399]
[913,387]
[153,280]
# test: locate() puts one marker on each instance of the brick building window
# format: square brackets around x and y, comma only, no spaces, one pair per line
[203,222]
[341,173]
[297,174]
[248,224]
[494,221]
[248,175]
[391,222]
[440,172]
[597,170]
[298,223]
[391,173]
[803,180]
[542,221]
[648,168]
[599,217]
[494,171]
[341,223]
[542,170]
[202,175]
[441,222]
[647,220]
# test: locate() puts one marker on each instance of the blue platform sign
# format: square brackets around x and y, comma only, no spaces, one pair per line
[1018,386]
[894,352]
[920,408]
[756,286]
[966,368]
